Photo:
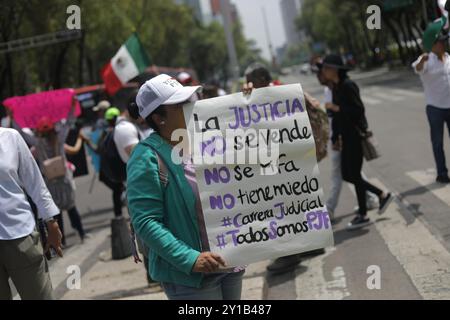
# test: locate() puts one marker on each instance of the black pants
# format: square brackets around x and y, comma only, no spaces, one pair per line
[361,186]
[75,222]
[351,166]
[117,189]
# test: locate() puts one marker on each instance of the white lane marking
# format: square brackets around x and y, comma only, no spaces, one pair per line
[386,95]
[423,257]
[409,93]
[312,283]
[427,179]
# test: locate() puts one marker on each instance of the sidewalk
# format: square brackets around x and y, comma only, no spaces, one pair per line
[107,279]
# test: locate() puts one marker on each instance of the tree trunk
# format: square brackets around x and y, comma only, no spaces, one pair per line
[81,59]
[411,33]
[369,46]
[396,37]
[90,69]
[404,34]
[57,83]
[418,31]
[10,74]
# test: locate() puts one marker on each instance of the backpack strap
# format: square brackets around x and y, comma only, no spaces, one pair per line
[163,171]
[164,180]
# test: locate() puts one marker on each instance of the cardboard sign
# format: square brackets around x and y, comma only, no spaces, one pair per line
[257,174]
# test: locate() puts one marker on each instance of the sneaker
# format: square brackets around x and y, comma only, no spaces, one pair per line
[358,222]
[312,253]
[370,205]
[86,236]
[384,203]
[284,263]
[443,179]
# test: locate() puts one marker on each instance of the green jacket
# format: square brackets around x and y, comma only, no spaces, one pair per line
[164,217]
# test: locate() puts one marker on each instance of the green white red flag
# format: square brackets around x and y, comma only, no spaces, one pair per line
[130,61]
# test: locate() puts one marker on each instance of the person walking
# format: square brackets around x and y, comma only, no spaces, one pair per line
[21,253]
[335,156]
[51,152]
[112,167]
[100,109]
[349,123]
[433,67]
[164,203]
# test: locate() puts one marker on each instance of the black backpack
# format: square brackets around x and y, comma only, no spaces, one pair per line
[111,165]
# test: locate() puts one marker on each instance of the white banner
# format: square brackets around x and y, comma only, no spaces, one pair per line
[255,163]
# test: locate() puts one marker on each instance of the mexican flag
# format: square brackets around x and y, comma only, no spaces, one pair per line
[130,61]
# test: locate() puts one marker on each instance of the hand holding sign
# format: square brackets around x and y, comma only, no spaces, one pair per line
[208,262]
[257,174]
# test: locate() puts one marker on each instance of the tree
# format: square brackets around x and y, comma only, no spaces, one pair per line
[168,31]
[341,25]
[208,51]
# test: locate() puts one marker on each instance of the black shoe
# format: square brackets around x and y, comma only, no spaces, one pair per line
[443,179]
[358,222]
[284,263]
[312,253]
[384,203]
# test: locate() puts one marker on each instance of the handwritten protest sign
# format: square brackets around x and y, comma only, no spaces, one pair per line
[54,104]
[257,175]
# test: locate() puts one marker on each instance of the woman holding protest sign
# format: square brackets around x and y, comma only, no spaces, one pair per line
[164,203]
[349,125]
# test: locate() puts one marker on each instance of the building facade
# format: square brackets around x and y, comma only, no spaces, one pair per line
[290,9]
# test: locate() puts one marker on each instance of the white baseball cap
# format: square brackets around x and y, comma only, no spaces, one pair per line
[162,90]
[102,105]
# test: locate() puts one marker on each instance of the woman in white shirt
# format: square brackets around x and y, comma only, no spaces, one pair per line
[21,254]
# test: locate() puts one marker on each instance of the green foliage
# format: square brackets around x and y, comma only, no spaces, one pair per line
[208,51]
[169,32]
[341,25]
[296,54]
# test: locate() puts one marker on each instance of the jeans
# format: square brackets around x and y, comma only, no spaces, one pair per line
[436,118]
[336,181]
[223,286]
